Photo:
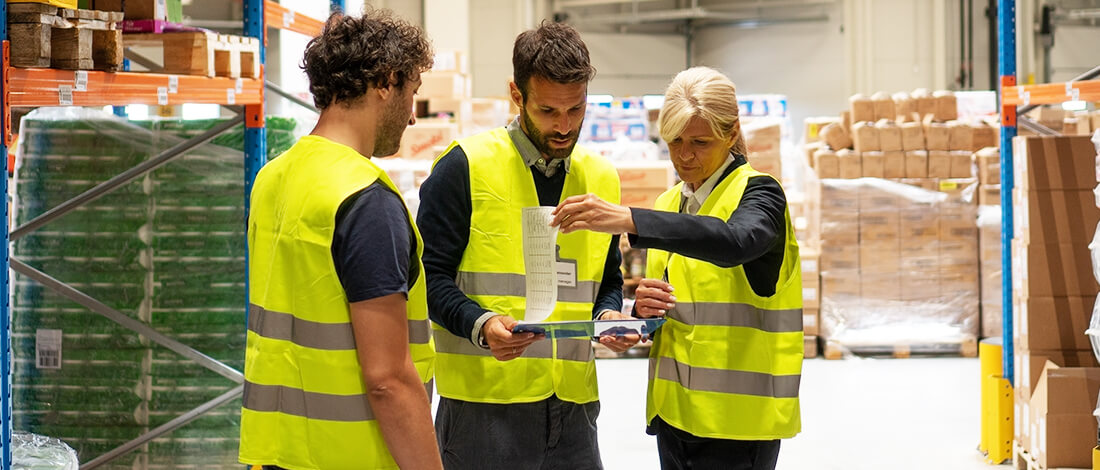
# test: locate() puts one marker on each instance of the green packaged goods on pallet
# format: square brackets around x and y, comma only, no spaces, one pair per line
[80,244]
[199,244]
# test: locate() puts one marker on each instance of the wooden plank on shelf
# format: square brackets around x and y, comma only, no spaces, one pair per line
[71,48]
[31,8]
[31,44]
[203,53]
[107,50]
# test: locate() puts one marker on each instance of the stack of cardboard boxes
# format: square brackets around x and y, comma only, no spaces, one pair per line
[1054,291]
[763,139]
[811,299]
[643,181]
[898,264]
[987,161]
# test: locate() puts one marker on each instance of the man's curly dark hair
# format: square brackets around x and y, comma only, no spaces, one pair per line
[353,53]
[553,51]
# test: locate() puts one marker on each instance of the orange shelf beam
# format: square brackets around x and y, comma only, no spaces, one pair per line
[52,87]
[278,16]
[1051,93]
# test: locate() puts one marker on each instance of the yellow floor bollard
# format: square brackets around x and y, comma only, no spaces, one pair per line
[996,404]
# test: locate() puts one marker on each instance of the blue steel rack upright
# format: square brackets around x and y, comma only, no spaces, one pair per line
[1006,65]
[39,87]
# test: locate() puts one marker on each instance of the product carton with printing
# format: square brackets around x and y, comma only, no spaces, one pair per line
[912,136]
[865,137]
[961,164]
[1063,427]
[874,164]
[1053,323]
[1049,162]
[1048,216]
[893,164]
[861,108]
[937,136]
[827,164]
[939,164]
[850,163]
[916,164]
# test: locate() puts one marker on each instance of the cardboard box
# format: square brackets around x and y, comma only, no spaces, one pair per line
[912,136]
[879,286]
[1064,216]
[840,196]
[827,164]
[810,321]
[850,164]
[1053,323]
[961,164]
[641,197]
[1063,427]
[946,106]
[916,164]
[893,164]
[839,286]
[1076,126]
[937,136]
[939,164]
[1029,366]
[815,126]
[657,174]
[836,137]
[1052,270]
[984,136]
[884,106]
[904,104]
[874,164]
[810,149]
[1064,162]
[988,161]
[444,85]
[767,162]
[865,137]
[962,136]
[421,140]
[809,346]
[838,257]
[861,108]
[889,136]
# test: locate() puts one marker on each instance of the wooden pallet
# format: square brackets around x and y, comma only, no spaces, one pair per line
[1022,460]
[203,53]
[966,348]
[47,36]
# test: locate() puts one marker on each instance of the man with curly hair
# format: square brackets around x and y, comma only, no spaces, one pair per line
[519,401]
[340,355]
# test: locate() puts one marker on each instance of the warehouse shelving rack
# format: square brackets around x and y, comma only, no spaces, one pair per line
[50,87]
[1084,87]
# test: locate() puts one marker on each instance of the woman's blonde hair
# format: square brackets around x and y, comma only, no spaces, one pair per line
[706,93]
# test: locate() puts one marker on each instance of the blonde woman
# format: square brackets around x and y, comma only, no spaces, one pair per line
[723,268]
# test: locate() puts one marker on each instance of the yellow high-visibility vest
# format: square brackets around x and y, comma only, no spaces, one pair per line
[492,273]
[305,403]
[727,363]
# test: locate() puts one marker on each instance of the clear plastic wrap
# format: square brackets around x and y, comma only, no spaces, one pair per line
[899,263]
[35,452]
[166,249]
[990,268]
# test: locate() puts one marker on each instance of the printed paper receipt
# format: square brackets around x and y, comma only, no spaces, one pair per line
[539,248]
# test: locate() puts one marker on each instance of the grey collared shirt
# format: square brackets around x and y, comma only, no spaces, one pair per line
[531,155]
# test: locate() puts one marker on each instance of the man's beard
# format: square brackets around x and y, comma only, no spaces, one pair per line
[542,141]
[390,129]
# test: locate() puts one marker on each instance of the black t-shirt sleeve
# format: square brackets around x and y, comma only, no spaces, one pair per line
[373,245]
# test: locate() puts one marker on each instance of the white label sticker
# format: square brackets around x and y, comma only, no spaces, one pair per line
[47,349]
[809,293]
[162,95]
[240,85]
[567,273]
[161,10]
[1025,97]
[80,80]
[809,265]
[230,96]
[173,84]
[288,19]
[1073,93]
[809,321]
[65,95]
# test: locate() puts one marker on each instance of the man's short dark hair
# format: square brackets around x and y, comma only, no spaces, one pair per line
[353,53]
[553,51]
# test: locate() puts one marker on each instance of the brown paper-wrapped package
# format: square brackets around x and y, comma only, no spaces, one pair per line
[863,109]
[926,105]
[827,164]
[904,105]
[962,165]
[939,164]
[873,164]
[884,106]
[810,149]
[946,106]
[851,165]
[889,135]
[984,136]
[836,137]
[864,137]
[846,121]
[916,164]
[962,136]
[937,136]
[912,136]
[893,164]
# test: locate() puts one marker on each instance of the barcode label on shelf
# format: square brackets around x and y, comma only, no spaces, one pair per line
[47,349]
[1025,97]
[240,85]
[80,80]
[162,95]
[288,19]
[65,95]
[173,84]
[1073,93]
[230,96]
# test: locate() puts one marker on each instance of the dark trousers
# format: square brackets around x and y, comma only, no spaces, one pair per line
[680,450]
[545,435]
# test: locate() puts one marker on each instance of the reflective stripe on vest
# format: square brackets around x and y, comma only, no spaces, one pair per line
[305,401]
[331,336]
[726,352]
[492,274]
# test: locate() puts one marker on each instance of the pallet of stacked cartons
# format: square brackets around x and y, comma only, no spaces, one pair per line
[1053,285]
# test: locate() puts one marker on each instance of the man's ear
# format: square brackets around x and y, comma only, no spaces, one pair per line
[513,92]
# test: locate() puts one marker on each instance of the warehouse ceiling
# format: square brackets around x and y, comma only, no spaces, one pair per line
[680,16]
